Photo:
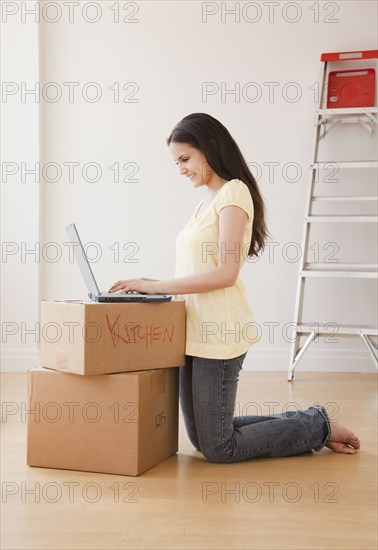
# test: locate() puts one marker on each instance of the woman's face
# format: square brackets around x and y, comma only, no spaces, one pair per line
[192,163]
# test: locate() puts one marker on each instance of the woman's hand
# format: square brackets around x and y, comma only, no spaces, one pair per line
[146,286]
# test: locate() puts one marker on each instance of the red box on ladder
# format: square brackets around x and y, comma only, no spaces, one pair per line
[353,87]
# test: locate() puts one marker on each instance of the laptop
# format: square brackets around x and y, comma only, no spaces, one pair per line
[93,290]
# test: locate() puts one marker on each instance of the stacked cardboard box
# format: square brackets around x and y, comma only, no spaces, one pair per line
[105,398]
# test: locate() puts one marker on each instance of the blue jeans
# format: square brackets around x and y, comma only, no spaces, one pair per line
[207,399]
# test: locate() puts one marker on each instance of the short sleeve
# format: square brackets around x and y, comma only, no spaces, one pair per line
[235,193]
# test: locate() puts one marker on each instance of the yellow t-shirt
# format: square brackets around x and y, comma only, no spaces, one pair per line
[219,324]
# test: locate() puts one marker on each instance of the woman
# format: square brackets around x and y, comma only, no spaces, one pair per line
[227,227]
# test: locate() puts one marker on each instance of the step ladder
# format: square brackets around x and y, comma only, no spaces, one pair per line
[325,120]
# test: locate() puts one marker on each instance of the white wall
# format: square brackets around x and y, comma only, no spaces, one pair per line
[169,53]
[20,212]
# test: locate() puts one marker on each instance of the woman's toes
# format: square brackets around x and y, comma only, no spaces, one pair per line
[339,447]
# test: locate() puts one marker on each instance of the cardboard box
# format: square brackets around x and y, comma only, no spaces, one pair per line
[120,423]
[100,338]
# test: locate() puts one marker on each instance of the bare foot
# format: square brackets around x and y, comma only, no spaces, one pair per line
[342,439]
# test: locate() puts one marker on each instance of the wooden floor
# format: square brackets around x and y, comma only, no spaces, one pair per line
[315,500]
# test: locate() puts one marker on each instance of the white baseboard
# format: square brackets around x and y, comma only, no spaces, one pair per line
[265,359]
[19,360]
[330,360]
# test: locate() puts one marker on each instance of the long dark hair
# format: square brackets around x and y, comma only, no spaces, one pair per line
[223,155]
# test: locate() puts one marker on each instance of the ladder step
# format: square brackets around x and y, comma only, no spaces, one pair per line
[342,272]
[349,120]
[336,329]
[337,265]
[346,218]
[348,111]
[339,198]
[345,164]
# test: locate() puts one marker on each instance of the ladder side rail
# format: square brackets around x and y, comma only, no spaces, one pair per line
[298,310]
[310,338]
[372,348]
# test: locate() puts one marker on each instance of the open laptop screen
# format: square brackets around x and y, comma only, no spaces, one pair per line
[82,259]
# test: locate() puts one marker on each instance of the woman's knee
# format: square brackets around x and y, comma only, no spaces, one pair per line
[217,454]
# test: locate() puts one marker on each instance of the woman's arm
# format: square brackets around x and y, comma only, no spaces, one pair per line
[232,220]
